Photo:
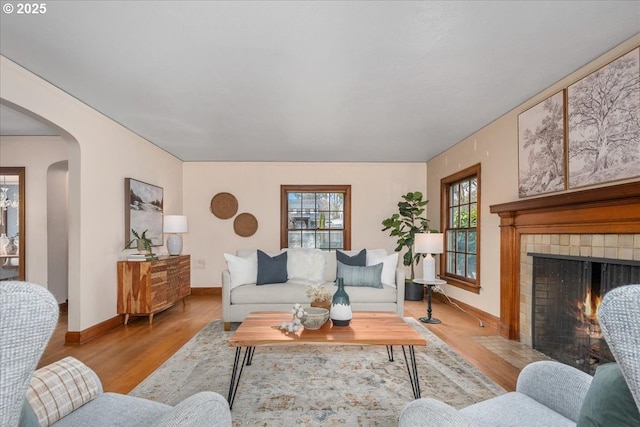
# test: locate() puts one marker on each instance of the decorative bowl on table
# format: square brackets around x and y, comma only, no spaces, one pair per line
[314,318]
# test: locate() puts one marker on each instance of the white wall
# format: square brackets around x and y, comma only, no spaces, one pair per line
[101,154]
[58,230]
[376,188]
[36,154]
[496,148]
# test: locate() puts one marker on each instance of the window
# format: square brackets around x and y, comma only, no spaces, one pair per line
[315,216]
[460,202]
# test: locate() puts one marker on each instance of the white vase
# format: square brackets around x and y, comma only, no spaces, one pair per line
[3,242]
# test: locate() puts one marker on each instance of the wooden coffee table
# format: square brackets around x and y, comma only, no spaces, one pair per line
[366,328]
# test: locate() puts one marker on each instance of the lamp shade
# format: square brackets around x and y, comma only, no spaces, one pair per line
[175,224]
[429,243]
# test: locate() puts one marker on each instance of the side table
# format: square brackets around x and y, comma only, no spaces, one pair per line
[429,284]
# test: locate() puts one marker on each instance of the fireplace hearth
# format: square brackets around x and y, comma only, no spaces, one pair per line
[566,293]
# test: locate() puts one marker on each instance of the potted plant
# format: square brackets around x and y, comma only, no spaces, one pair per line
[405,224]
[143,243]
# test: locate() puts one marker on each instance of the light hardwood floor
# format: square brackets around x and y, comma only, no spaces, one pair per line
[125,356]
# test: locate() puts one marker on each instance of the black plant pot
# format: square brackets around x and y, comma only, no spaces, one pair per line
[413,291]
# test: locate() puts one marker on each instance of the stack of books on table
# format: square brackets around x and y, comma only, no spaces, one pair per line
[137,257]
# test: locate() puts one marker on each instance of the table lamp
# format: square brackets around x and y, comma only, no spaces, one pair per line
[174,225]
[429,244]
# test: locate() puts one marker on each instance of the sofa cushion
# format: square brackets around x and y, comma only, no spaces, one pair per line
[358,260]
[111,409]
[361,276]
[292,292]
[242,269]
[389,265]
[306,264]
[367,295]
[271,269]
[609,401]
[514,409]
[277,293]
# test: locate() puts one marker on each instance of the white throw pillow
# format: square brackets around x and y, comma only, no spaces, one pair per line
[389,265]
[375,255]
[305,264]
[243,270]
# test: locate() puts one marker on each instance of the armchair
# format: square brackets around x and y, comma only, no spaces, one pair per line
[67,392]
[550,393]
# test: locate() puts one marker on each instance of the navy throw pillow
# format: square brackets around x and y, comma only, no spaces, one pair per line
[358,260]
[271,269]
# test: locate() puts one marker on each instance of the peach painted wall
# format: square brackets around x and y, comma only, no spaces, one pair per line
[375,191]
[36,154]
[496,148]
[101,154]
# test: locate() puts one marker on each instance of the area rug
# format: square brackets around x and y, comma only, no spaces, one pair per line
[313,385]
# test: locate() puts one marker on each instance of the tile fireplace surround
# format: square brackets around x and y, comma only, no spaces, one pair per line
[612,246]
[601,222]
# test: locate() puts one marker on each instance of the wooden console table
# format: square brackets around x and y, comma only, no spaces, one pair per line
[148,287]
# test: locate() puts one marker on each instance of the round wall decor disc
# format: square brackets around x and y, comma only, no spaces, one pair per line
[224,205]
[245,225]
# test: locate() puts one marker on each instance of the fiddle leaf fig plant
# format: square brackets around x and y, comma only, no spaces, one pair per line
[143,241]
[405,224]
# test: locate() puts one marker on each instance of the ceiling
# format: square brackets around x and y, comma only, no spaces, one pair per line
[310,80]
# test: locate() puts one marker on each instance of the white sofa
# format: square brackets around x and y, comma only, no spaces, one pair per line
[241,295]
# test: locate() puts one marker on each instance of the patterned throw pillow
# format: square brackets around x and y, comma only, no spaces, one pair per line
[361,276]
[57,389]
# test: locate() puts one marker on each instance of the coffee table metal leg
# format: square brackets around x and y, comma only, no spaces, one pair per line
[251,350]
[412,370]
[390,353]
[235,381]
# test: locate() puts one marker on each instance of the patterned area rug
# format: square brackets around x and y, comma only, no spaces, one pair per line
[312,385]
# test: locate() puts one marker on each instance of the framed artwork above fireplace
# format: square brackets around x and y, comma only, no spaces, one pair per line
[604,123]
[541,147]
[585,135]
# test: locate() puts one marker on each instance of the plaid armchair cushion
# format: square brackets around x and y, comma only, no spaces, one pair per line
[58,389]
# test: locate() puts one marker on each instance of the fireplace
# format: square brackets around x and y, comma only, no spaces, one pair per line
[566,293]
[562,223]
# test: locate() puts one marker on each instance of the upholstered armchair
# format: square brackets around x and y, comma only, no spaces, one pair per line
[553,394]
[67,392]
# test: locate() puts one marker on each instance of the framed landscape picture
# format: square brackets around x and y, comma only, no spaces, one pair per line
[541,163]
[143,211]
[603,123]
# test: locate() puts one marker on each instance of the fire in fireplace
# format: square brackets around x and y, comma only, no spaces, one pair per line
[567,291]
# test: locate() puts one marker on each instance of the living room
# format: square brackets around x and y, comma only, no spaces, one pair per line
[100,153]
